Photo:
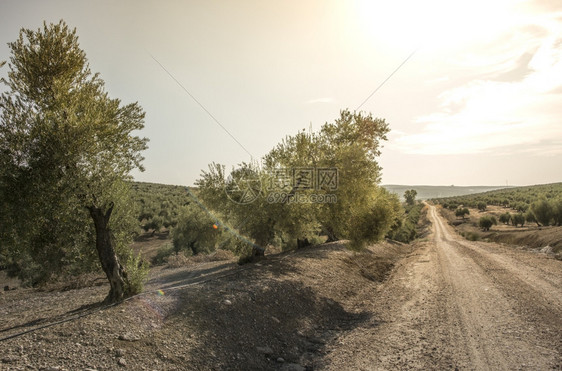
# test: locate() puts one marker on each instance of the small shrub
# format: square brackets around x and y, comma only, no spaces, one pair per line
[472,236]
[179,260]
[221,255]
[137,271]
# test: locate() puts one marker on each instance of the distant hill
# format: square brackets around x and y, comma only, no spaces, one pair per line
[155,193]
[428,192]
[518,198]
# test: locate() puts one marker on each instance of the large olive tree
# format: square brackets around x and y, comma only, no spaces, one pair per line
[66,149]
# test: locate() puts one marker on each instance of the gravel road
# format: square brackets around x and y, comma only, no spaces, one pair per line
[457,304]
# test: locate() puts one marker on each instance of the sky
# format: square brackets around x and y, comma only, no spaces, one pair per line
[473,96]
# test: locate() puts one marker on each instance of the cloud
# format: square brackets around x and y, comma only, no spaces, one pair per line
[519,70]
[511,103]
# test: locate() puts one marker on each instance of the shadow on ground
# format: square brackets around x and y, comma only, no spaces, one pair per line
[276,314]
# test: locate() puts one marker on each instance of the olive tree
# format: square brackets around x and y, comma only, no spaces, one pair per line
[486,222]
[410,196]
[557,211]
[237,199]
[543,211]
[518,219]
[197,231]
[505,218]
[462,211]
[66,149]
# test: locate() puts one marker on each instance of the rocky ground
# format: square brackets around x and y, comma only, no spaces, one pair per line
[277,314]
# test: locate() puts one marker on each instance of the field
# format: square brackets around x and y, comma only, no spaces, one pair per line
[517,198]
[429,192]
[531,237]
[159,205]
[506,203]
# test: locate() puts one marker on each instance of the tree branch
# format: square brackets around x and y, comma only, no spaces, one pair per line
[108,212]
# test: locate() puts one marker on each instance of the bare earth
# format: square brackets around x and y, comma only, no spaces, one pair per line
[443,303]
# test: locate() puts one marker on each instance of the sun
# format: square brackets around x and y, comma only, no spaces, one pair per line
[441,24]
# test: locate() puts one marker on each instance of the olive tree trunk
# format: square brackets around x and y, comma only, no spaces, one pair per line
[257,251]
[108,258]
[329,231]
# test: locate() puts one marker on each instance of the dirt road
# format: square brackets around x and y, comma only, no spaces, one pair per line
[457,304]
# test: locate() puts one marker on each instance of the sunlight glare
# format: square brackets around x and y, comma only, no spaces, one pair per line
[438,24]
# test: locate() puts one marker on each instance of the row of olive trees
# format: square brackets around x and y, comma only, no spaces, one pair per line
[487,221]
[160,205]
[518,219]
[406,229]
[264,203]
[66,151]
[543,212]
[519,198]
